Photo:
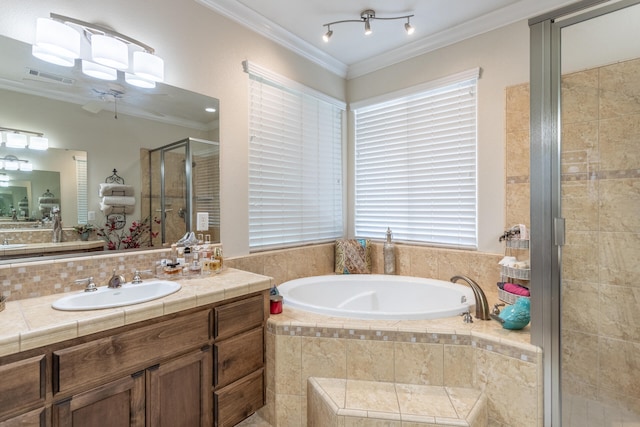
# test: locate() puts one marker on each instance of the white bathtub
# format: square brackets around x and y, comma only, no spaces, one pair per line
[377,296]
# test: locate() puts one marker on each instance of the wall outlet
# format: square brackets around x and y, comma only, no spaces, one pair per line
[91,215]
[203,221]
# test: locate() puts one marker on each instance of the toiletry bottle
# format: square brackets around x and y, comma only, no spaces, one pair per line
[389,253]
[174,254]
[217,257]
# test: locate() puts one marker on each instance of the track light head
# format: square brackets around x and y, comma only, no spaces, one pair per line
[409,28]
[327,35]
[367,28]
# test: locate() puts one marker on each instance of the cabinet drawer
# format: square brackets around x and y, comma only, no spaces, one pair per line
[124,352]
[22,384]
[238,356]
[36,418]
[230,319]
[238,400]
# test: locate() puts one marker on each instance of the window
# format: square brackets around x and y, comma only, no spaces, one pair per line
[81,179]
[415,163]
[295,163]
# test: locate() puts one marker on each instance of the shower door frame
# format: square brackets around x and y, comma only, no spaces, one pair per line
[547,224]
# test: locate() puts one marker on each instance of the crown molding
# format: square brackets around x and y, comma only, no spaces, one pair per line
[252,20]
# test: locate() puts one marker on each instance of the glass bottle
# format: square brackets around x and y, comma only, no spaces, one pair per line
[389,253]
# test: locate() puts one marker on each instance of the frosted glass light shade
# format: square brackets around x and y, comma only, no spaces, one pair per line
[26,166]
[3,177]
[11,165]
[38,143]
[16,140]
[134,80]
[54,40]
[148,66]
[47,56]
[109,51]
[99,71]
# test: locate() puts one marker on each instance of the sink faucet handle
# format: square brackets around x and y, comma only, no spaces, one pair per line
[91,286]
[496,308]
[466,317]
[6,241]
[136,276]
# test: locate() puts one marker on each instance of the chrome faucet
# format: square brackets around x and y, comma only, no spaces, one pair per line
[137,278]
[116,280]
[482,306]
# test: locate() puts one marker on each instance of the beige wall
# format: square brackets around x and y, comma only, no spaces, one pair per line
[203,52]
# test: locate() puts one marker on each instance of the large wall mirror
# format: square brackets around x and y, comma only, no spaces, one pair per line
[107,124]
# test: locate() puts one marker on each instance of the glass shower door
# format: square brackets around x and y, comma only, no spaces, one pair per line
[600,202]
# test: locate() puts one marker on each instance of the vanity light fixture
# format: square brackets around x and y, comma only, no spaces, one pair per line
[367,16]
[17,138]
[12,163]
[59,39]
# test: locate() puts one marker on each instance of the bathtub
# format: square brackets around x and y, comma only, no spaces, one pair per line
[377,296]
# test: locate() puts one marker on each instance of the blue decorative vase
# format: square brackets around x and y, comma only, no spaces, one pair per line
[516,316]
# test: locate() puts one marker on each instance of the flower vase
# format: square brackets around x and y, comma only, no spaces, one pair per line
[84,236]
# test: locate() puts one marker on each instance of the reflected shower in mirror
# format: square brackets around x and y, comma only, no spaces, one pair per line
[184,181]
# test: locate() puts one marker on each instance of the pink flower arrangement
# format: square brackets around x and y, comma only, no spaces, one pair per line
[138,235]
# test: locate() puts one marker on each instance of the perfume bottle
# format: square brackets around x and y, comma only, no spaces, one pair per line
[389,253]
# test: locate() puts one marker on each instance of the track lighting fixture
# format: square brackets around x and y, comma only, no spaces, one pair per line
[366,16]
[59,40]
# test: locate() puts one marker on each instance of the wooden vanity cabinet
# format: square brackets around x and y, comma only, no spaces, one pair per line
[200,368]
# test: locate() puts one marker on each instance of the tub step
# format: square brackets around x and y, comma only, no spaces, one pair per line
[331,401]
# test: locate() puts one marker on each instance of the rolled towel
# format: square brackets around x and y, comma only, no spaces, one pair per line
[42,206]
[107,189]
[45,199]
[108,209]
[118,201]
[513,288]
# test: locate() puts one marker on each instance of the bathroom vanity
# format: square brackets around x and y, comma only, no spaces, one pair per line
[202,365]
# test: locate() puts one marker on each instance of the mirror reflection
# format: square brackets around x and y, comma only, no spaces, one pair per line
[109,125]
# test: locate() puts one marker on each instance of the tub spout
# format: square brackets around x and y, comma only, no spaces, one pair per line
[482,306]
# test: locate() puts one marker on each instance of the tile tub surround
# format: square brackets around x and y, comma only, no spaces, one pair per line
[32,323]
[336,402]
[443,352]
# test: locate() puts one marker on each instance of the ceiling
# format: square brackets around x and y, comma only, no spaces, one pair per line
[298,25]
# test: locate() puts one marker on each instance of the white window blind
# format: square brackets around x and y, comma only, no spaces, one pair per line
[415,164]
[81,179]
[295,163]
[206,184]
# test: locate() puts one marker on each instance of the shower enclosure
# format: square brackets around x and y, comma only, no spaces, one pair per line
[184,181]
[585,200]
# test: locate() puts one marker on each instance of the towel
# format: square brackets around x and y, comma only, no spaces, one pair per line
[118,201]
[49,200]
[107,189]
[47,206]
[108,209]
[516,289]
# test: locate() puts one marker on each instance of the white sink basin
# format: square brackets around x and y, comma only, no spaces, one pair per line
[13,246]
[128,294]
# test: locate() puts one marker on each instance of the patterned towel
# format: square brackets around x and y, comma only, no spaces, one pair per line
[353,256]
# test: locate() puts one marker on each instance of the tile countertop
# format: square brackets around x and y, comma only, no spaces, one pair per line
[31,323]
[48,248]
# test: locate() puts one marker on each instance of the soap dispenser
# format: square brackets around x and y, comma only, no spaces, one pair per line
[389,253]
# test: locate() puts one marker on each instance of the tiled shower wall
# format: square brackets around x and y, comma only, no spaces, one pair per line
[601,205]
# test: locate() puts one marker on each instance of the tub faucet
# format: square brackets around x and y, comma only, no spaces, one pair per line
[482,307]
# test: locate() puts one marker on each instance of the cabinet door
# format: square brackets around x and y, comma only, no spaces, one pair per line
[22,385]
[36,418]
[119,403]
[179,391]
